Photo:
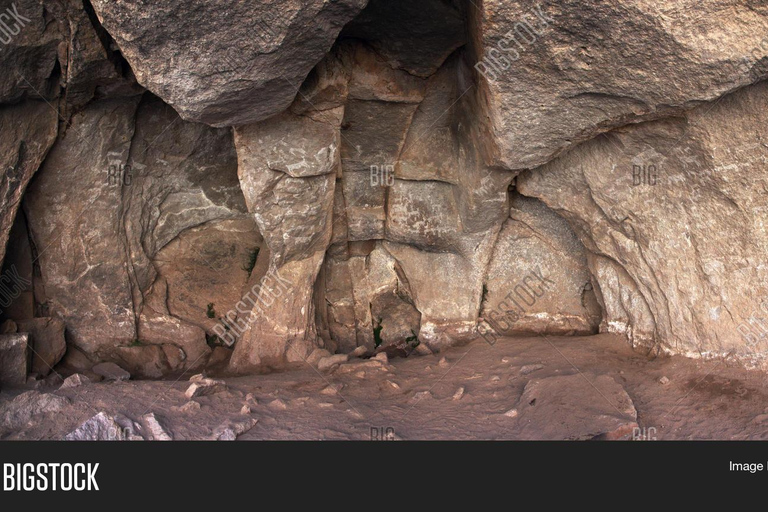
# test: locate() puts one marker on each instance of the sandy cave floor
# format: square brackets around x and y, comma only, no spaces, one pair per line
[702,400]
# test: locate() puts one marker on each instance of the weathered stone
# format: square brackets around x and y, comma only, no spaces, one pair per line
[538,280]
[29,130]
[155,430]
[219,357]
[557,74]
[317,355]
[86,283]
[99,428]
[19,411]
[205,387]
[257,54]
[530,368]
[327,363]
[14,359]
[291,197]
[131,430]
[46,342]
[579,406]
[74,381]
[163,189]
[111,371]
[676,265]
[230,431]
[9,327]
[29,56]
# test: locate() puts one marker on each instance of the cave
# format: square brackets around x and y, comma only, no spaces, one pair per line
[470,207]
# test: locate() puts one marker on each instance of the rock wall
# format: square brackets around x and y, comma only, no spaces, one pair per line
[677,246]
[281,177]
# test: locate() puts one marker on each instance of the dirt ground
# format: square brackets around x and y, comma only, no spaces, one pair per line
[520,388]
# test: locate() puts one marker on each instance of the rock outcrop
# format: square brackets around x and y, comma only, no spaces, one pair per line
[300,179]
[225,62]
[671,214]
[554,74]
[145,179]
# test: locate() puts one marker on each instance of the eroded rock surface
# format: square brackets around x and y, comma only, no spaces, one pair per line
[147,178]
[581,406]
[225,62]
[556,73]
[671,214]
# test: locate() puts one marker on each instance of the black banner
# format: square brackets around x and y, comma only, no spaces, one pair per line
[188,473]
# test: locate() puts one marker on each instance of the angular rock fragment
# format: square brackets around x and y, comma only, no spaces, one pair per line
[16,413]
[205,387]
[74,381]
[111,371]
[99,428]
[329,362]
[155,430]
[47,342]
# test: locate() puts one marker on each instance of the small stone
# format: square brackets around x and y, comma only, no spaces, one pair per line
[205,387]
[359,352]
[99,428]
[381,357]
[423,350]
[74,381]
[360,374]
[530,368]
[324,405]
[327,363]
[443,363]
[188,407]
[245,410]
[110,371]
[278,404]
[664,381]
[229,432]
[495,378]
[459,393]
[394,385]
[505,360]
[156,431]
[332,389]
[317,355]
[512,413]
[131,429]
[421,395]
[226,434]
[250,398]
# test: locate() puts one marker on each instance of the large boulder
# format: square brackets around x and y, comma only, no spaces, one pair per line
[671,214]
[538,280]
[225,62]
[553,73]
